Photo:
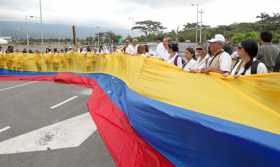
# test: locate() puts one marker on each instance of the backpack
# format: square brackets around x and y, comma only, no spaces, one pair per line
[182,61]
[254,67]
[176,60]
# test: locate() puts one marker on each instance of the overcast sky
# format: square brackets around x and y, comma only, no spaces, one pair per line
[122,13]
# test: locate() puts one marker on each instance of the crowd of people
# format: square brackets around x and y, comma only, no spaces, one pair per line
[102,49]
[247,58]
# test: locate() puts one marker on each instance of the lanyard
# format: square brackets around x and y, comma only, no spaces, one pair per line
[215,57]
[238,67]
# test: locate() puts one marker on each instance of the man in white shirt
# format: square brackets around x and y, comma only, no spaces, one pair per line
[162,50]
[221,61]
[132,47]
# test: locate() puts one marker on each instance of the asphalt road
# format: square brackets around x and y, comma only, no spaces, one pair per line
[28,106]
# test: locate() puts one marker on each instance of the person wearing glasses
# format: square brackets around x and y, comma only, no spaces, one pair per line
[248,64]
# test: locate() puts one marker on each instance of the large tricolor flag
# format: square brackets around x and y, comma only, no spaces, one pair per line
[152,114]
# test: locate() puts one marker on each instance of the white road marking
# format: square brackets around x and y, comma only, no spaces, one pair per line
[69,133]
[17,86]
[64,102]
[5,129]
[86,92]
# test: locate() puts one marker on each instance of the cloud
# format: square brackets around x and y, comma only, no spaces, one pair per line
[103,13]
[117,12]
[166,3]
[19,5]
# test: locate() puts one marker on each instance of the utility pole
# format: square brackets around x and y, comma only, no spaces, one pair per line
[98,36]
[177,33]
[197,21]
[27,34]
[75,43]
[41,21]
[200,33]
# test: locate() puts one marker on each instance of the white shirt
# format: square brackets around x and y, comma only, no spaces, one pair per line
[179,61]
[260,69]
[130,49]
[190,65]
[201,63]
[225,61]
[235,55]
[84,51]
[146,54]
[161,52]
[105,50]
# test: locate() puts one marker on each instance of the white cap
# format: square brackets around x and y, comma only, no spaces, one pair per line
[218,38]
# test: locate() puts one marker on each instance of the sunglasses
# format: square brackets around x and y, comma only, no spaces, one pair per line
[199,49]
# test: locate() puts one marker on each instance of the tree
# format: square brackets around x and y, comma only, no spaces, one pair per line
[148,27]
[268,22]
[238,37]
[190,26]
[173,35]
[263,16]
[107,37]
[235,32]
[189,32]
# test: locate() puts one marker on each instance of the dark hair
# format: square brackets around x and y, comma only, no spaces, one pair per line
[55,50]
[88,49]
[146,48]
[48,50]
[174,47]
[191,50]
[140,49]
[10,49]
[266,36]
[251,47]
